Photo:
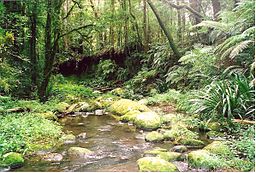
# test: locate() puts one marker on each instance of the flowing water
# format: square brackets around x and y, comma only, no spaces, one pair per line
[116,147]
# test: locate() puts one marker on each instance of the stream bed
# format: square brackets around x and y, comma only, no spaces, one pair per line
[116,146]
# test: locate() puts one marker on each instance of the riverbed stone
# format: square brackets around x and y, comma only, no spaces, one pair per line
[13,159]
[147,120]
[82,136]
[123,106]
[220,148]
[52,157]
[81,107]
[79,152]
[154,137]
[170,156]
[179,148]
[117,91]
[129,116]
[62,107]
[155,164]
[155,151]
[181,135]
[68,139]
[204,159]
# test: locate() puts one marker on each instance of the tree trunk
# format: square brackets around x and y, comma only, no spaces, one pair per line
[216,8]
[33,55]
[179,34]
[167,34]
[126,20]
[195,4]
[145,26]
[111,29]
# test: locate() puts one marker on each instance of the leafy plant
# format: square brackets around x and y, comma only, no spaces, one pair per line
[106,69]
[227,98]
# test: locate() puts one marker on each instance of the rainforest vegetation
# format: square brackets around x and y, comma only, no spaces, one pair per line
[127,85]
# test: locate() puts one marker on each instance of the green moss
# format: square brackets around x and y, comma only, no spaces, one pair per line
[13,159]
[130,116]
[148,120]
[169,156]
[204,159]
[154,137]
[220,148]
[156,151]
[189,141]
[155,164]
[62,107]
[47,115]
[123,106]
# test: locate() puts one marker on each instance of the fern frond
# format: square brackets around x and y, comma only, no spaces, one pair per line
[213,24]
[239,48]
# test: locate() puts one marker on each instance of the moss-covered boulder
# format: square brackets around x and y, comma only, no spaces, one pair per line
[62,107]
[79,152]
[179,148]
[148,120]
[155,151]
[214,134]
[181,135]
[117,91]
[81,107]
[170,156]
[130,116]
[155,164]
[14,160]
[94,104]
[123,106]
[68,139]
[204,159]
[215,126]
[154,137]
[220,148]
[48,115]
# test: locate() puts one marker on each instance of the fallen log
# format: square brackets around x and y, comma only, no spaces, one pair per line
[244,121]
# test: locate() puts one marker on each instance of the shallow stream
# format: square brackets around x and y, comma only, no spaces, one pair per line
[117,146]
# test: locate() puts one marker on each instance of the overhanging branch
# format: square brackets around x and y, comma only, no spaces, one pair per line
[178,7]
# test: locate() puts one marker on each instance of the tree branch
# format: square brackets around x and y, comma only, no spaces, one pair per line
[71,9]
[73,30]
[178,7]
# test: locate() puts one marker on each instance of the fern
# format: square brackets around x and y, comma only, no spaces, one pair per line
[239,48]
[213,24]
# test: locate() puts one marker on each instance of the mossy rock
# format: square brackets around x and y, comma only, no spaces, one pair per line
[155,164]
[220,148]
[14,160]
[117,91]
[79,152]
[123,106]
[48,115]
[130,116]
[170,156]
[62,107]
[179,132]
[215,126]
[190,141]
[94,105]
[214,134]
[81,107]
[204,159]
[154,137]
[148,121]
[68,139]
[155,151]
[179,148]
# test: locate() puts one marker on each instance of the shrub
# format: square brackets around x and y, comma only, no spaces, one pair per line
[106,69]
[227,98]
[27,132]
